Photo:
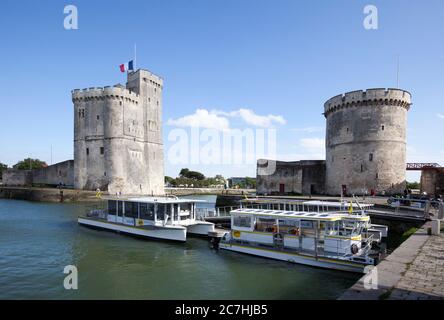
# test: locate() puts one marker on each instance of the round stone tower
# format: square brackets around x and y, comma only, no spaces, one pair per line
[366,141]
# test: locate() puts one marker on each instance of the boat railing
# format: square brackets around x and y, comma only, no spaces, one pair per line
[369,241]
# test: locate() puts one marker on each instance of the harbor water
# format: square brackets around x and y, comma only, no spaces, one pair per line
[37,241]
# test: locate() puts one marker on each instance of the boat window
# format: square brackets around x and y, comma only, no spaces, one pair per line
[160,211]
[176,211]
[242,221]
[331,228]
[185,210]
[131,209]
[265,224]
[147,211]
[112,207]
[307,224]
[289,226]
[120,208]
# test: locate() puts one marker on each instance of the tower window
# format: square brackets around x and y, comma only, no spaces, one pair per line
[348,130]
[98,117]
[87,151]
[382,128]
[370,157]
[102,150]
[362,168]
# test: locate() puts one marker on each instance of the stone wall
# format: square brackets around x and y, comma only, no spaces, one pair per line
[366,141]
[432,181]
[297,177]
[15,177]
[62,172]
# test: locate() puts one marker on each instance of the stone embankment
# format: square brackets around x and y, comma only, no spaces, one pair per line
[73,195]
[46,194]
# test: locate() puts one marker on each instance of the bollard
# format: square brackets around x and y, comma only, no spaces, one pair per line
[436,227]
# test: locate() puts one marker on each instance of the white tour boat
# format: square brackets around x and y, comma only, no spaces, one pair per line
[164,218]
[379,231]
[321,239]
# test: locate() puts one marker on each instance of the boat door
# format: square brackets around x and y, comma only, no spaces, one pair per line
[281,188]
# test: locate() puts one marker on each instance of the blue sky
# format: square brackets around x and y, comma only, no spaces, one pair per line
[279,60]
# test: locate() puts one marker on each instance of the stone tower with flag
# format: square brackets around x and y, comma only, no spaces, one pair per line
[118,136]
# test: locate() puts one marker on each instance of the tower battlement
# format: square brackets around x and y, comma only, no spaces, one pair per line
[377,96]
[101,93]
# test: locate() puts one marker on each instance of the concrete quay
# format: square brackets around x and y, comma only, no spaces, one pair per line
[414,271]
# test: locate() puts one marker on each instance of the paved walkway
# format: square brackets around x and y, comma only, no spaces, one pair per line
[414,271]
[424,279]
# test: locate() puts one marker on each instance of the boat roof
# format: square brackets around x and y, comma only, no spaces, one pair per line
[335,204]
[298,215]
[163,200]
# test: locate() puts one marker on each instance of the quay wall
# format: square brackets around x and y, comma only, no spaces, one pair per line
[46,194]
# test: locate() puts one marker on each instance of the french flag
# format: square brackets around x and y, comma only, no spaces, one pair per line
[127,66]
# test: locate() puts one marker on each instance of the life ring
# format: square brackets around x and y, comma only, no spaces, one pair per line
[295,231]
[274,229]
[354,248]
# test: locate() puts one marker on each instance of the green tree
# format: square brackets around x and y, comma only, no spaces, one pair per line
[29,163]
[250,182]
[169,180]
[3,167]
[184,172]
[193,175]
[413,185]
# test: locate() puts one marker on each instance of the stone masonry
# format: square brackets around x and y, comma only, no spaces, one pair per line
[118,136]
[366,141]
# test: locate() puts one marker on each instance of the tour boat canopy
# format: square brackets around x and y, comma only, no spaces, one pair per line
[299,215]
[162,200]
[321,203]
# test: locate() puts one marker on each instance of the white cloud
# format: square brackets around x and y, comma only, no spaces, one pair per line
[216,119]
[309,129]
[250,117]
[202,118]
[313,143]
[440,115]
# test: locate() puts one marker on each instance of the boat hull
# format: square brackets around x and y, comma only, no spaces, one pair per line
[200,229]
[321,262]
[172,234]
